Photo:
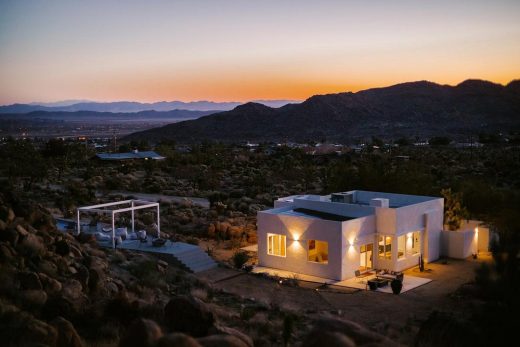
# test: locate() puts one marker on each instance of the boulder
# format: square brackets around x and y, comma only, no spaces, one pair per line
[177,340]
[36,330]
[29,280]
[67,334]
[32,299]
[10,215]
[48,268]
[188,315]
[329,339]
[6,253]
[96,279]
[31,245]
[141,333]
[72,290]
[329,327]
[62,247]
[222,330]
[50,285]
[10,235]
[221,341]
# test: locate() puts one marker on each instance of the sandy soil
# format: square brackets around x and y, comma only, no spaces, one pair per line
[397,316]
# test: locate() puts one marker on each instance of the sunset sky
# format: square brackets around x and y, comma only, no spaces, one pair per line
[240,50]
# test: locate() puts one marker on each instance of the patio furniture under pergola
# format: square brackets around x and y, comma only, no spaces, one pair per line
[107,209]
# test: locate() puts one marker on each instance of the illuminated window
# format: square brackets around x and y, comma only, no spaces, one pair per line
[385,247]
[276,245]
[318,251]
[401,246]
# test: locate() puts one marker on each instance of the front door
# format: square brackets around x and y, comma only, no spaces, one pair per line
[365,257]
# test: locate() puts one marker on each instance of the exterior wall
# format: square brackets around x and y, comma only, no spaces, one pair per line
[355,233]
[459,244]
[298,230]
[345,238]
[412,218]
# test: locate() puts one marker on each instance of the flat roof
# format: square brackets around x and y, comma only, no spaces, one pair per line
[304,212]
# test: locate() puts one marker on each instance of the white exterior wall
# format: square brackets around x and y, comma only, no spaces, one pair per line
[298,230]
[356,232]
[459,244]
[345,238]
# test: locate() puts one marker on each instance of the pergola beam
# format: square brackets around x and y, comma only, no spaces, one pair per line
[134,205]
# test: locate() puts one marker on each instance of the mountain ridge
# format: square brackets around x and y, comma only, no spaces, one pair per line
[418,109]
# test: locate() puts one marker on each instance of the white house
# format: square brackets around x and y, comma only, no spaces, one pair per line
[334,236]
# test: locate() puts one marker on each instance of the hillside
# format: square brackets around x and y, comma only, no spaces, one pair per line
[421,109]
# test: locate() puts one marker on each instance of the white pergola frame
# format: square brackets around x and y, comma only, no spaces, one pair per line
[134,205]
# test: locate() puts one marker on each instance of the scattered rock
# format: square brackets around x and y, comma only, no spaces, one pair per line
[67,335]
[188,315]
[141,333]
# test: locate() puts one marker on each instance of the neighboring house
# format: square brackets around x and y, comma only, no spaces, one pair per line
[130,155]
[336,235]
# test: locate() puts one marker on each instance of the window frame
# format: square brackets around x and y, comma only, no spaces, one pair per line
[283,250]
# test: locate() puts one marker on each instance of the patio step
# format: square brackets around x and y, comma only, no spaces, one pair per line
[196,260]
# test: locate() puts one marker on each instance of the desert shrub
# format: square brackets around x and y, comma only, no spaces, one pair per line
[147,274]
[240,258]
[192,241]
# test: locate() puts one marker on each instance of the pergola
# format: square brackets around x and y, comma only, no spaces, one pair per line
[107,210]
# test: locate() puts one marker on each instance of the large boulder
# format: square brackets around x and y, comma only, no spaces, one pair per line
[328,328]
[67,334]
[222,341]
[141,333]
[177,340]
[188,315]
[222,330]
[329,339]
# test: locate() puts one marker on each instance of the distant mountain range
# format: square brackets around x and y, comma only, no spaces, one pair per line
[92,116]
[130,106]
[422,109]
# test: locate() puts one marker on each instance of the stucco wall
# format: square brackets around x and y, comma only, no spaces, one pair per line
[298,231]
[459,244]
[355,233]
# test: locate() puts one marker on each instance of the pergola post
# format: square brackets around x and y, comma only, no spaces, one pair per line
[158,222]
[78,226]
[133,220]
[113,231]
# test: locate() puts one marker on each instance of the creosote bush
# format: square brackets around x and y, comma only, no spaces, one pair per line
[240,258]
